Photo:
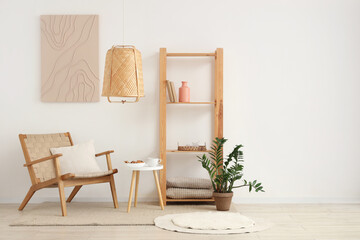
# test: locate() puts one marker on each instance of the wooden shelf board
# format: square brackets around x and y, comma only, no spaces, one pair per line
[175,151]
[190,103]
[190,200]
[190,54]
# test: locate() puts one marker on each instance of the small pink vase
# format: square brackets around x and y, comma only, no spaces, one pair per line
[184,93]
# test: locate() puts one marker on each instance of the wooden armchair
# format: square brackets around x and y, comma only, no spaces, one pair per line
[44,168]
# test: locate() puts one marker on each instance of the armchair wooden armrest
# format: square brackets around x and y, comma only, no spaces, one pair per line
[104,153]
[42,159]
[108,159]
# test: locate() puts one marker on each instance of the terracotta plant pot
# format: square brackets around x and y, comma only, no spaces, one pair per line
[222,200]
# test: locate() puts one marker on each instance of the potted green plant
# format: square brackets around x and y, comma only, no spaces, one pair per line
[224,172]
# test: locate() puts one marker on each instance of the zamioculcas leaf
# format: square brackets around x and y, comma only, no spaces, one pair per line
[224,172]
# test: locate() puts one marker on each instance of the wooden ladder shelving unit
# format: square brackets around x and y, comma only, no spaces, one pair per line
[218,116]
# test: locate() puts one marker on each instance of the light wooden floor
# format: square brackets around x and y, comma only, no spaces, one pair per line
[292,222]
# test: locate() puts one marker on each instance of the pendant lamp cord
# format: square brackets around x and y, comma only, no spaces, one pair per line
[123,22]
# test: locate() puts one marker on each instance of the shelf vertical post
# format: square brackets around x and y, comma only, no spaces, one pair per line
[218,131]
[162,127]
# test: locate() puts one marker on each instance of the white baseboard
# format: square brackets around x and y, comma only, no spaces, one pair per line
[235,200]
[80,199]
[295,200]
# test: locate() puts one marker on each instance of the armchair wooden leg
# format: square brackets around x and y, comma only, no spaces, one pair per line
[73,193]
[27,198]
[113,192]
[62,198]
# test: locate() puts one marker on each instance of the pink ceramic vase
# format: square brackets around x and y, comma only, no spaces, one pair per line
[184,93]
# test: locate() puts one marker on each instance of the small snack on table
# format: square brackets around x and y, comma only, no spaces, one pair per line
[135,163]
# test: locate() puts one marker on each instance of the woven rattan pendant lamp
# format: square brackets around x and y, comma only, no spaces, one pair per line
[123,74]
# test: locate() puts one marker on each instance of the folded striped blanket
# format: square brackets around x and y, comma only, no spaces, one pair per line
[181,193]
[186,182]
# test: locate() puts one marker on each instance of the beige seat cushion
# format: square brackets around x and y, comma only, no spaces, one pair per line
[94,174]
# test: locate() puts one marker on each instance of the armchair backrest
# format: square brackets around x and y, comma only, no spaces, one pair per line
[36,146]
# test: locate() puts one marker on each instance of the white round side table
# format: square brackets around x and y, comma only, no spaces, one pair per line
[136,175]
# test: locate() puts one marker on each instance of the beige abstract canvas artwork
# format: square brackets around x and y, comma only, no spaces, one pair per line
[70,58]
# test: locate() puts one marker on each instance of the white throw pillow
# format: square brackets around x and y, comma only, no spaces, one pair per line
[77,159]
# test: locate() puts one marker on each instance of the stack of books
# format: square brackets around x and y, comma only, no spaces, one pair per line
[171,91]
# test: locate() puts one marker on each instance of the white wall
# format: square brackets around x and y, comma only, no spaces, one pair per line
[291,92]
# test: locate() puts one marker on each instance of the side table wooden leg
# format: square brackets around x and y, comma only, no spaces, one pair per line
[131,190]
[158,189]
[136,187]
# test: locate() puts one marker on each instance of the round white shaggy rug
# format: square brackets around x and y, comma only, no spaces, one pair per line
[210,223]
